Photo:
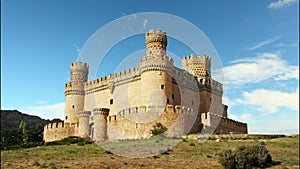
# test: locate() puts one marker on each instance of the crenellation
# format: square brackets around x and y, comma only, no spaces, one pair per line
[98,107]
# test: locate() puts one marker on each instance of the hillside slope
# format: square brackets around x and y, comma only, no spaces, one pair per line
[10,119]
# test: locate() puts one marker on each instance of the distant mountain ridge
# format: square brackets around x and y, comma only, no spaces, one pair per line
[10,119]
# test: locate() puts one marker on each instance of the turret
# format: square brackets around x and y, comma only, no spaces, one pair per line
[100,124]
[74,91]
[156,43]
[84,123]
[197,65]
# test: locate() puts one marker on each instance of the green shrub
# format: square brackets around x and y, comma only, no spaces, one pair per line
[245,157]
[227,159]
[166,152]
[30,144]
[71,140]
[192,144]
[209,156]
[158,128]
[80,144]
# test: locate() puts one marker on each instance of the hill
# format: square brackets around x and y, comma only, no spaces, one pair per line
[10,119]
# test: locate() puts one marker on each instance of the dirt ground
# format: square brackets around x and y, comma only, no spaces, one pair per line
[186,154]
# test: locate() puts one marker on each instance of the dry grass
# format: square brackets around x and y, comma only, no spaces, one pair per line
[187,154]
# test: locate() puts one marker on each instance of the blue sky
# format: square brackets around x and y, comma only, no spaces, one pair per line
[257,42]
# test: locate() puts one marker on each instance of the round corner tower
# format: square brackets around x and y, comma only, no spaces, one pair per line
[156,43]
[74,92]
[84,123]
[100,124]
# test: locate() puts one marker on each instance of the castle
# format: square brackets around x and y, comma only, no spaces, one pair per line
[127,104]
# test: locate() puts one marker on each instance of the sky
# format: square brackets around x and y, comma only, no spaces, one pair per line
[257,42]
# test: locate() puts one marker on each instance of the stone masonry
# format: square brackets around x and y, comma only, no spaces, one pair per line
[127,104]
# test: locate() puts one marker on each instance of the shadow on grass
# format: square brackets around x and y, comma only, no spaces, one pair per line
[272,164]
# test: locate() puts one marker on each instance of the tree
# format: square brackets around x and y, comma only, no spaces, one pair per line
[22,131]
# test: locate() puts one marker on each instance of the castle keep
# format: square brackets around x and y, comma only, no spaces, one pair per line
[127,104]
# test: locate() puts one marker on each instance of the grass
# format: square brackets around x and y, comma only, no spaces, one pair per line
[186,154]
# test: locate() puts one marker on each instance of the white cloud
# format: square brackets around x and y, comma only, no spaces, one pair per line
[259,68]
[263,43]
[228,101]
[269,101]
[280,4]
[244,117]
[145,23]
[46,111]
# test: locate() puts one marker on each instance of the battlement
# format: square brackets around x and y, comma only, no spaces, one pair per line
[73,89]
[210,82]
[98,82]
[221,119]
[60,130]
[101,111]
[110,80]
[54,125]
[152,63]
[141,111]
[198,66]
[222,124]
[198,58]
[79,66]
[159,36]
[84,113]
[79,72]
[58,125]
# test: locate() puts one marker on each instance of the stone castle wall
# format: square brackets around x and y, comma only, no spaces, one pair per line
[223,125]
[148,92]
[130,123]
[57,131]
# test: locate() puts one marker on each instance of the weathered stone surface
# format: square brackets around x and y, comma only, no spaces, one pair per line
[127,104]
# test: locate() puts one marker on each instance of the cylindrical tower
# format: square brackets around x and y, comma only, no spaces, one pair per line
[156,43]
[74,91]
[197,65]
[100,124]
[156,87]
[156,79]
[84,123]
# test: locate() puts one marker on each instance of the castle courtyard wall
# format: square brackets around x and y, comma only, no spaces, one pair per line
[58,131]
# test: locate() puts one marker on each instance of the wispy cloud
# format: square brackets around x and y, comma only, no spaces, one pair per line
[263,43]
[49,111]
[286,44]
[77,48]
[145,23]
[243,117]
[256,69]
[280,4]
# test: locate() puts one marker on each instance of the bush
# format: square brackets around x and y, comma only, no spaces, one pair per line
[158,128]
[192,144]
[30,145]
[245,157]
[80,144]
[71,140]
[227,159]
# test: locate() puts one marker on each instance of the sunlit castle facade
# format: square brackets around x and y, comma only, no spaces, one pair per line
[127,104]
